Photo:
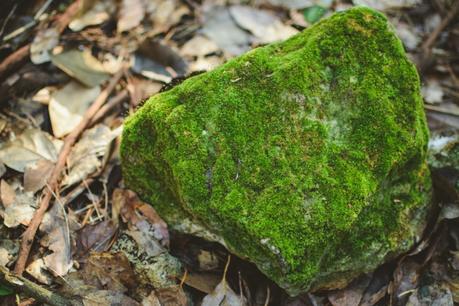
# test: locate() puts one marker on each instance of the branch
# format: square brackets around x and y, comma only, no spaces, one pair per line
[40,294]
[53,181]
[20,55]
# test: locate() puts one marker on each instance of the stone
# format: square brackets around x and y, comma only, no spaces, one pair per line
[306,157]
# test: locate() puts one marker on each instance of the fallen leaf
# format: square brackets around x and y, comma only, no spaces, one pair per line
[31,146]
[172,296]
[264,25]
[432,91]
[21,211]
[86,155]
[293,4]
[223,294]
[151,300]
[204,282]
[8,251]
[109,271]
[165,13]
[220,27]
[131,14]
[7,194]
[108,297]
[43,96]
[409,37]
[37,269]
[58,227]
[97,237]
[140,219]
[431,295]
[384,5]
[44,41]
[68,105]
[198,46]
[36,174]
[82,66]
[154,60]
[96,14]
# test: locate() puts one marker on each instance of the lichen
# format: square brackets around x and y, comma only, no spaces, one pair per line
[306,156]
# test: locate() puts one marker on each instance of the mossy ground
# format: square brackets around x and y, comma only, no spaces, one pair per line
[306,156]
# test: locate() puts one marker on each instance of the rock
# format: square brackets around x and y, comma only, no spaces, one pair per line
[306,157]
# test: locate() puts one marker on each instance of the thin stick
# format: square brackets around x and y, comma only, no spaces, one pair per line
[427,45]
[20,55]
[56,174]
[109,106]
[21,284]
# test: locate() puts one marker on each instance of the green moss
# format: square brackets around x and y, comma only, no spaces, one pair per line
[306,156]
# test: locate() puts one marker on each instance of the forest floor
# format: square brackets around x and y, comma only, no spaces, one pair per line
[71,71]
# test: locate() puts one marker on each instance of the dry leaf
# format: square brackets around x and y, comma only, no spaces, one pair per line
[109,271]
[57,227]
[384,5]
[264,25]
[131,14]
[96,14]
[7,194]
[31,146]
[204,282]
[21,210]
[172,296]
[199,46]
[68,105]
[43,42]
[37,269]
[151,300]
[36,174]
[95,238]
[223,295]
[82,66]
[108,297]
[86,155]
[220,27]
[165,13]
[352,294]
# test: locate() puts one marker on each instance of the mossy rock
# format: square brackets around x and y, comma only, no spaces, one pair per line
[307,157]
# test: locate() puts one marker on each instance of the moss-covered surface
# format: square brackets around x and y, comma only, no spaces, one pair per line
[307,157]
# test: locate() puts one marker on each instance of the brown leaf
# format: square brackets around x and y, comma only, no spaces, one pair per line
[172,296]
[352,294]
[204,282]
[36,174]
[7,194]
[130,15]
[58,227]
[96,237]
[109,271]
[108,298]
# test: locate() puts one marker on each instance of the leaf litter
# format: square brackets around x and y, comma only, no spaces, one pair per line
[103,238]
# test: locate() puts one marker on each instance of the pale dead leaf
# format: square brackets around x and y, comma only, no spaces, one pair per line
[43,96]
[107,297]
[86,155]
[31,146]
[94,15]
[432,91]
[131,14]
[384,5]
[220,27]
[199,46]
[151,300]
[204,282]
[21,210]
[7,194]
[165,13]
[173,296]
[44,41]
[36,174]
[264,25]
[57,227]
[82,66]
[223,295]
[68,105]
[37,269]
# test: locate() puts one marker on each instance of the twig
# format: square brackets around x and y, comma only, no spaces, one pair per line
[56,174]
[43,295]
[427,45]
[442,110]
[20,55]
[109,106]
